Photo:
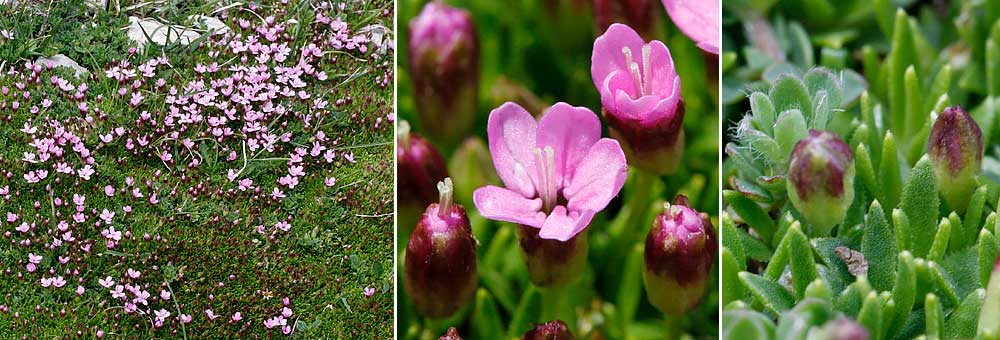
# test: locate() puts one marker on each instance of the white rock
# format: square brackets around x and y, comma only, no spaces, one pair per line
[211,23]
[379,35]
[159,33]
[60,60]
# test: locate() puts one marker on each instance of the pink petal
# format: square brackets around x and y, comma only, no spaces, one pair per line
[511,133]
[562,226]
[570,131]
[599,177]
[608,57]
[500,204]
[648,109]
[699,20]
[664,77]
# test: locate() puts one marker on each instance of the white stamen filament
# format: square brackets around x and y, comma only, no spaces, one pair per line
[545,165]
[641,80]
[445,194]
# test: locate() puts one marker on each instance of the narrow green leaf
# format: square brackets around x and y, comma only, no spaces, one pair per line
[901,225]
[870,315]
[957,232]
[916,115]
[961,323]
[796,323]
[974,216]
[851,299]
[746,324]
[763,112]
[943,286]
[901,57]
[486,318]
[879,247]
[940,245]
[935,317]
[749,211]
[920,203]
[889,172]
[802,264]
[818,289]
[789,129]
[789,93]
[631,282]
[731,240]
[732,288]
[904,291]
[772,295]
[528,312]
[782,254]
[866,172]
[992,68]
[987,255]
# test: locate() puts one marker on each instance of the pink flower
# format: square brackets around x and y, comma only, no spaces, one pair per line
[330,181]
[185,318]
[369,291]
[80,290]
[558,171]
[106,282]
[211,315]
[699,20]
[162,314]
[641,95]
[109,190]
[165,295]
[237,317]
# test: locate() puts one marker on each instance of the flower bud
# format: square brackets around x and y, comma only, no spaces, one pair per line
[552,330]
[443,56]
[550,262]
[419,166]
[989,315]
[821,180]
[440,264]
[956,149]
[451,335]
[641,97]
[680,251]
[636,13]
[840,329]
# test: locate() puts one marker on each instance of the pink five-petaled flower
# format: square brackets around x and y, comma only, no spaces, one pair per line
[558,171]
[369,291]
[641,95]
[699,20]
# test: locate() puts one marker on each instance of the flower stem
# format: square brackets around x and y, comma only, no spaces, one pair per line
[552,301]
[639,201]
[672,327]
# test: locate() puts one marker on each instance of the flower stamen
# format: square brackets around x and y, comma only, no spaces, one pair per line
[545,165]
[446,192]
[642,81]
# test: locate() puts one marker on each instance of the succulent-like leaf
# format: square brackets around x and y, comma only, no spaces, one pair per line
[920,203]
[802,264]
[987,255]
[745,324]
[934,317]
[870,315]
[732,288]
[879,247]
[904,290]
[751,213]
[961,323]
[772,295]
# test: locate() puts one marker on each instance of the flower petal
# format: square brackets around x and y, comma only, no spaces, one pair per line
[599,177]
[500,204]
[608,56]
[665,82]
[570,131]
[562,226]
[511,133]
[699,20]
[647,109]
